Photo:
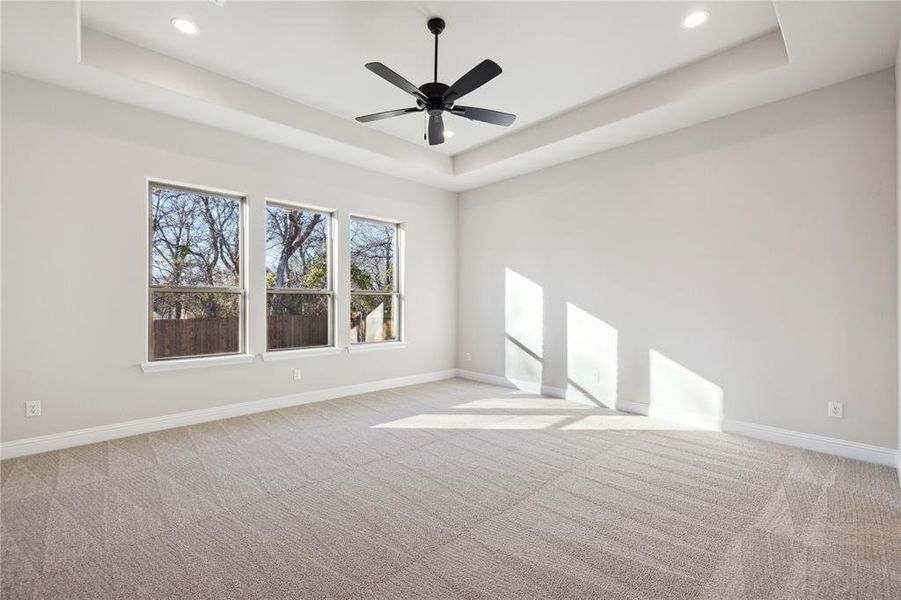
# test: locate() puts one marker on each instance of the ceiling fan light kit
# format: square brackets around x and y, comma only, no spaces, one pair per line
[436,98]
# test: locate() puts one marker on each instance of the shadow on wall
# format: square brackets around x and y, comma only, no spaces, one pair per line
[681,394]
[591,358]
[592,370]
[592,361]
[524,332]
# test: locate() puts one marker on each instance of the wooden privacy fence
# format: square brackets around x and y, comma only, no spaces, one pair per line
[194,337]
[292,331]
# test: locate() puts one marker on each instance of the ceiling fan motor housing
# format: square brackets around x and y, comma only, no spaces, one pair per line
[435,92]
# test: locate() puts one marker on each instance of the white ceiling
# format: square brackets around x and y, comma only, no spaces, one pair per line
[583,77]
[555,55]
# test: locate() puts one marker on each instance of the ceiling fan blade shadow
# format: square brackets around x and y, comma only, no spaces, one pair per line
[436,130]
[388,114]
[495,117]
[395,79]
[478,76]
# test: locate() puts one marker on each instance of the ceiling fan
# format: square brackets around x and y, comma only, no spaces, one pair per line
[436,98]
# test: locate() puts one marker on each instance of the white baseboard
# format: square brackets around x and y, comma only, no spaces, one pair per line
[797,439]
[811,441]
[700,421]
[632,407]
[90,435]
[898,463]
[519,384]
[484,378]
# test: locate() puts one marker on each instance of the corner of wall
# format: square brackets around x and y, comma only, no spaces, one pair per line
[458,298]
[898,231]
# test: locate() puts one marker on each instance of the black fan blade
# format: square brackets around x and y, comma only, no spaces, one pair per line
[478,76]
[436,130]
[494,117]
[388,114]
[392,77]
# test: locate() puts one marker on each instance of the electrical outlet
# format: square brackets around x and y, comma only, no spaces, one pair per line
[33,408]
[468,357]
[834,409]
[297,375]
[596,376]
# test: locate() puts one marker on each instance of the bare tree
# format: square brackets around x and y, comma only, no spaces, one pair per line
[296,253]
[195,242]
[372,255]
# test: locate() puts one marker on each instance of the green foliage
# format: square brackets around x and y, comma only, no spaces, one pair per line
[359,278]
[315,277]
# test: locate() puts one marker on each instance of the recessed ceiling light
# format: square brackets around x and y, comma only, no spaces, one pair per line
[696,19]
[185,26]
[448,133]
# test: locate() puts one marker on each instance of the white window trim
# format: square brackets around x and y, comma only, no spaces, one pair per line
[399,284]
[373,346]
[331,288]
[296,353]
[175,364]
[187,362]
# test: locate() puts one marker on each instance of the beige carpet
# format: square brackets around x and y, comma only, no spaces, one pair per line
[447,490]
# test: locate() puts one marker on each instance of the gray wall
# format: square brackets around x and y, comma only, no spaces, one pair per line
[74,252]
[746,266]
[750,261]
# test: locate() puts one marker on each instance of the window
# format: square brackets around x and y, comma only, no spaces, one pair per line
[375,298]
[196,295]
[298,277]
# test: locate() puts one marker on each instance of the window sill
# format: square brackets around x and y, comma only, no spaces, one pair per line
[192,363]
[372,346]
[301,353]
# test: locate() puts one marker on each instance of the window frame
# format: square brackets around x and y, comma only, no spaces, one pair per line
[240,290]
[329,289]
[396,284]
